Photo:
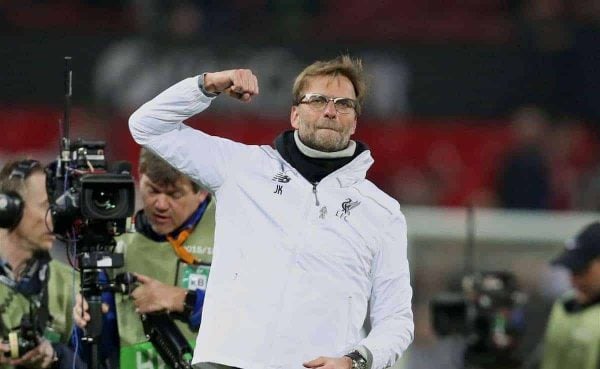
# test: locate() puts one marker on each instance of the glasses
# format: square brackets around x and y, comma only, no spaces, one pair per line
[318,102]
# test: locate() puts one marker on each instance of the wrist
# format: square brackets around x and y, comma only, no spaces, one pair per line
[207,84]
[178,301]
[347,362]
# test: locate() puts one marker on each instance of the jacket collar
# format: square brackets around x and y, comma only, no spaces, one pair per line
[346,171]
[355,171]
[346,176]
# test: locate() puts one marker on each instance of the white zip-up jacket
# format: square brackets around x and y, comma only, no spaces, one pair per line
[295,265]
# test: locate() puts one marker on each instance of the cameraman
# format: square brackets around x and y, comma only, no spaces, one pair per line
[573,333]
[35,292]
[170,253]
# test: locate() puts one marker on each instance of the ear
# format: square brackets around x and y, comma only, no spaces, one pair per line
[295,117]
[202,195]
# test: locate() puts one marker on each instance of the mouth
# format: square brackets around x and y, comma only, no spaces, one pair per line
[160,219]
[328,129]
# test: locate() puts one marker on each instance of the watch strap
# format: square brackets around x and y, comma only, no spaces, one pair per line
[358,361]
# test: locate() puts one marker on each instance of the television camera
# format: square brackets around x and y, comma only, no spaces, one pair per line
[91,204]
[487,311]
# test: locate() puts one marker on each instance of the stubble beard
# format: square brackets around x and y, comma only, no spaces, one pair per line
[325,140]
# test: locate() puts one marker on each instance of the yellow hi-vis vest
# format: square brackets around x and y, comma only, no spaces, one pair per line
[572,339]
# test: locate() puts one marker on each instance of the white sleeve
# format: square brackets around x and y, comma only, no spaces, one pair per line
[390,306]
[158,126]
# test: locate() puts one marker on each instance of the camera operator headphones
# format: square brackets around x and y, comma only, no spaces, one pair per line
[11,203]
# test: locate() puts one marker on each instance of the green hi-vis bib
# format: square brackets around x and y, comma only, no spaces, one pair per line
[142,356]
[572,339]
[61,287]
[158,260]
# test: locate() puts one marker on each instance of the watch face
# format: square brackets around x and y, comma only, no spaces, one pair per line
[359,364]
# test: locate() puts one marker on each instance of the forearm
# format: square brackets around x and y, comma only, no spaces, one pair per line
[391,319]
[386,344]
[157,125]
[166,111]
[390,305]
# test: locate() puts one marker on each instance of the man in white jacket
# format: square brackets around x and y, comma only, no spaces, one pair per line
[305,246]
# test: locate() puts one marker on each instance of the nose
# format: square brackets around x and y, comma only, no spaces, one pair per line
[161,203]
[330,111]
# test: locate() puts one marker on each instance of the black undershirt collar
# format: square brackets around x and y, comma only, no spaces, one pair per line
[313,169]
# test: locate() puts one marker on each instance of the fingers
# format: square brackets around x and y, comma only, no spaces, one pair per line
[31,359]
[41,356]
[145,303]
[145,284]
[48,354]
[80,312]
[320,361]
[3,348]
[244,85]
[143,279]
[81,321]
[80,301]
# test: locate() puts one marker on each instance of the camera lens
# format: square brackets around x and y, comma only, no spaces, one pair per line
[105,202]
[107,196]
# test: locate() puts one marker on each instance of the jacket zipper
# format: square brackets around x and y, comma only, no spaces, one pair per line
[315,193]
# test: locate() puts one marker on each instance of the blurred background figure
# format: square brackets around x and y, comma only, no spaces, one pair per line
[524,175]
[573,332]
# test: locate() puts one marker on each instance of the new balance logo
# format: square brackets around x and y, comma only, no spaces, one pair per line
[281,177]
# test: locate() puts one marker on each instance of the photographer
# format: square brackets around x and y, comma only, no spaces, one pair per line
[35,292]
[170,253]
[573,333]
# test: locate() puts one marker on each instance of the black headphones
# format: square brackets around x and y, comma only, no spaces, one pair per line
[11,203]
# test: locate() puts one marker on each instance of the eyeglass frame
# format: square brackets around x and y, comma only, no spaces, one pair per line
[334,99]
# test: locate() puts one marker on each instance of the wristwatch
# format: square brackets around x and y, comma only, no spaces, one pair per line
[189,303]
[358,361]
